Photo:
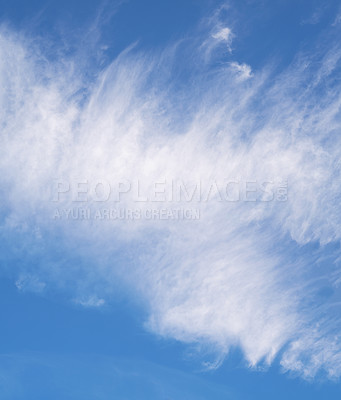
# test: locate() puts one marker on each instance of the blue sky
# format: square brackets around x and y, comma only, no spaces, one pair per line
[114,105]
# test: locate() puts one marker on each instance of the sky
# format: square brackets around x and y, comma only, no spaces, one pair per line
[170,216]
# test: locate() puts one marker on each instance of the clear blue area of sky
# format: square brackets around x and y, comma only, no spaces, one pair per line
[50,349]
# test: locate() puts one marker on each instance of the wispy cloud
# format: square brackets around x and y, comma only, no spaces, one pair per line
[30,283]
[243,71]
[248,273]
[224,35]
[92,301]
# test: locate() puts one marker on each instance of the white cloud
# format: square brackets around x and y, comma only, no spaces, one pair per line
[91,301]
[223,35]
[240,276]
[30,283]
[243,71]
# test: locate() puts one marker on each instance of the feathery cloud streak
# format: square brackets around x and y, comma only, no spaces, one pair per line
[256,273]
